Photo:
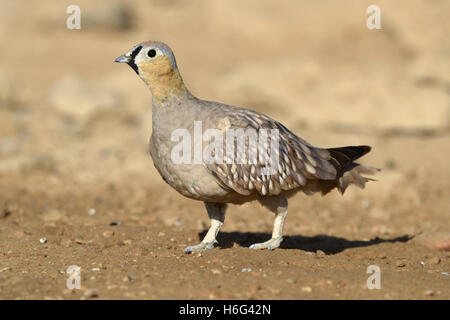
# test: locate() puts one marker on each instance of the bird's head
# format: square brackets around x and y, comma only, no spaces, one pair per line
[155,64]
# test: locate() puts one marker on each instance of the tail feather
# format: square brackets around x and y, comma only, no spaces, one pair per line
[349,172]
[353,174]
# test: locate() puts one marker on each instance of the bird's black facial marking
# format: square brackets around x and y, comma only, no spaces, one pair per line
[133,55]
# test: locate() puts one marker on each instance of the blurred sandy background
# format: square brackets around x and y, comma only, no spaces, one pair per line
[74,129]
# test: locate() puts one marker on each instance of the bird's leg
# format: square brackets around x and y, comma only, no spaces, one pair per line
[279,206]
[216,212]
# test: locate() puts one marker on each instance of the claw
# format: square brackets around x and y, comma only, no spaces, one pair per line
[270,244]
[202,246]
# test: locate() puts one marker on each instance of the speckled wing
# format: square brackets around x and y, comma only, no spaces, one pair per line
[296,161]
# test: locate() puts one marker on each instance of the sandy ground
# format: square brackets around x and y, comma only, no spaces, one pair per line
[74,166]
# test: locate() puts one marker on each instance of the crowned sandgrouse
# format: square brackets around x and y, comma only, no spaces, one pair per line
[249,156]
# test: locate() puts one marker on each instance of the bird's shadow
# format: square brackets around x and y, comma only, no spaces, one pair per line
[328,244]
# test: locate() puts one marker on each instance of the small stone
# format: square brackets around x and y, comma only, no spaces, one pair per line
[115,223]
[216,271]
[246,270]
[90,293]
[43,240]
[108,233]
[92,211]
[434,261]
[80,241]
[307,289]
[400,263]
[95,269]
[429,293]
[320,253]
[5,269]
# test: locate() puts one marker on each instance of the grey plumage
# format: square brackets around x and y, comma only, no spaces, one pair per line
[299,166]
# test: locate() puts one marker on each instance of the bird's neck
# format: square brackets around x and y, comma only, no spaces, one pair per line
[165,86]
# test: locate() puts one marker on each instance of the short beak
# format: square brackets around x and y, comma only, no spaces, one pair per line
[123,58]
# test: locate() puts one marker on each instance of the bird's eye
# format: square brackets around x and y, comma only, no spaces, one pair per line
[151,53]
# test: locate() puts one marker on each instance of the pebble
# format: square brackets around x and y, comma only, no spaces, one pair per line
[108,233]
[216,271]
[445,273]
[246,270]
[429,293]
[5,269]
[306,289]
[320,253]
[400,264]
[90,293]
[80,241]
[92,211]
[43,240]
[433,261]
[115,223]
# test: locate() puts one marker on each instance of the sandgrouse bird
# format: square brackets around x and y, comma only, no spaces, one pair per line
[236,176]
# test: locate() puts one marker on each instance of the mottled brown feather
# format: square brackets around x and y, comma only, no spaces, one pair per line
[299,161]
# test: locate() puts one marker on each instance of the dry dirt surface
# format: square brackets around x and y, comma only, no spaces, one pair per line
[78,188]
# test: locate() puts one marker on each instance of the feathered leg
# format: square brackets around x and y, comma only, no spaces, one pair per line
[216,212]
[278,205]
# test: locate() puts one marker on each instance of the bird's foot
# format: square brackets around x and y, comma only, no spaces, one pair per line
[202,246]
[270,244]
